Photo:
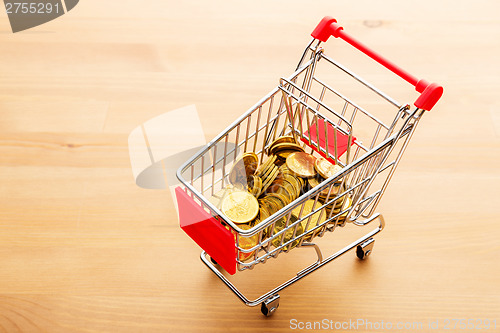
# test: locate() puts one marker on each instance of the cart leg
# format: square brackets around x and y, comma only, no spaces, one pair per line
[270,305]
[365,249]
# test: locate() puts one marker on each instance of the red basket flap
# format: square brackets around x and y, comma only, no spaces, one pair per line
[206,231]
[341,139]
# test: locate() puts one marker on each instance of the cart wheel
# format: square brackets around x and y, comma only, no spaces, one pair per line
[213,261]
[270,305]
[365,249]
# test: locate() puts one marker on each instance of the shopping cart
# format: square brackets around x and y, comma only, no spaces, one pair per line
[366,142]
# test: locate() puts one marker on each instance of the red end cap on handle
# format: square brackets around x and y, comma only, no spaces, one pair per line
[430,93]
[326,28]
[429,96]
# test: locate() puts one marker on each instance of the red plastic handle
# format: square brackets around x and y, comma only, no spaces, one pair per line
[430,93]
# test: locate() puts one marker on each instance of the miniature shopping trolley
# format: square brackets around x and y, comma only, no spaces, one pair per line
[366,142]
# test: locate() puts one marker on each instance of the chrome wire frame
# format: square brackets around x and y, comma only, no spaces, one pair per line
[292,109]
[320,262]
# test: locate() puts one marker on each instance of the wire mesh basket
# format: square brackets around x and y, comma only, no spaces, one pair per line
[364,144]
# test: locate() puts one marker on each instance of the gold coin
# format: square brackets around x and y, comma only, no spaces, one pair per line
[314,220]
[263,213]
[313,182]
[346,204]
[276,187]
[243,167]
[275,202]
[283,154]
[270,179]
[285,146]
[267,172]
[270,204]
[328,194]
[337,204]
[287,236]
[217,198]
[240,207]
[254,185]
[285,183]
[286,190]
[261,170]
[284,169]
[279,178]
[301,181]
[325,168]
[259,187]
[269,207]
[279,198]
[336,209]
[295,184]
[247,242]
[279,140]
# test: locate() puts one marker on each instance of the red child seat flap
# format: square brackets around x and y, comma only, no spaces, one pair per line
[206,231]
[317,134]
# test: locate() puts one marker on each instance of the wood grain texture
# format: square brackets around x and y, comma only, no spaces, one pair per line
[83,249]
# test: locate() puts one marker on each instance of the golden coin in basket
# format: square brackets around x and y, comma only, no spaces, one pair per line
[267,208]
[280,200]
[274,188]
[347,204]
[301,164]
[335,188]
[289,189]
[325,168]
[285,146]
[273,204]
[254,184]
[264,203]
[264,213]
[217,198]
[284,169]
[295,184]
[283,154]
[242,168]
[286,191]
[336,205]
[279,140]
[281,239]
[240,207]
[265,166]
[269,179]
[269,169]
[282,151]
[313,182]
[314,220]
[302,182]
[247,243]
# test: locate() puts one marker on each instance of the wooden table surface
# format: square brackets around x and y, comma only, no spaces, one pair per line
[84,249]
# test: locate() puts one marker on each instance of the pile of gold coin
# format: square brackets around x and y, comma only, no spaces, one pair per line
[326,170]
[330,193]
[282,147]
[257,191]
